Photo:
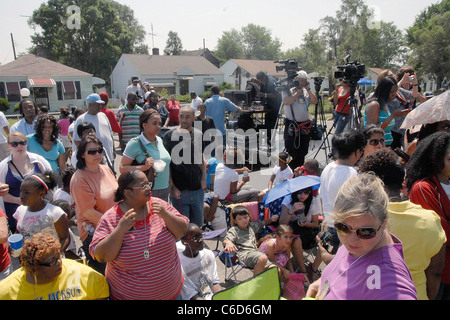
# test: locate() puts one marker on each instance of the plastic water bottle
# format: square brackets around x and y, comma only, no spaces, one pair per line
[89,228]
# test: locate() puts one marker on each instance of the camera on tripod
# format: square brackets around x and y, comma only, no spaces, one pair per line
[290,66]
[351,72]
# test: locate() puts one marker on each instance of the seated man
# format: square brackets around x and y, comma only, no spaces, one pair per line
[241,239]
[226,185]
[201,280]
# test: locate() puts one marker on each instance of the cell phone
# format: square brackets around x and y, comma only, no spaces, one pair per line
[326,242]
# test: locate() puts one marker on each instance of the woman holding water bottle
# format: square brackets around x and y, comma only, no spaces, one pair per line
[300,211]
[158,157]
[92,187]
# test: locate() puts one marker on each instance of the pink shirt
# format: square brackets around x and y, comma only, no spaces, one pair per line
[130,275]
[92,190]
[64,125]
[379,275]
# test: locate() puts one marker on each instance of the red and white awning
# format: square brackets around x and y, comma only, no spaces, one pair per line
[41,82]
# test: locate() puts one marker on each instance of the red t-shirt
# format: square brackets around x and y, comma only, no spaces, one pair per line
[5,259]
[174,111]
[342,99]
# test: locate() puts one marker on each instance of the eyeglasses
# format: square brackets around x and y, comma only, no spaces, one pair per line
[375,142]
[14,144]
[94,151]
[145,186]
[364,233]
[52,263]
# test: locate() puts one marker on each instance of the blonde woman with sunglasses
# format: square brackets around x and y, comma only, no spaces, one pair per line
[369,265]
[19,165]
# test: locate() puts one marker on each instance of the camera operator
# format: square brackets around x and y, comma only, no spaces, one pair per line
[297,123]
[271,98]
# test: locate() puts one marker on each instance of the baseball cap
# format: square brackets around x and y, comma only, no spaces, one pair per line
[302,75]
[93,97]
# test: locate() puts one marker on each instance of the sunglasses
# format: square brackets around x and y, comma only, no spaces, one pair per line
[364,233]
[375,142]
[94,151]
[14,144]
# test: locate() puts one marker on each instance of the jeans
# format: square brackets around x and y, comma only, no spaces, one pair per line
[340,121]
[190,205]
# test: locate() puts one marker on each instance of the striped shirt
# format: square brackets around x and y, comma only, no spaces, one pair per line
[130,275]
[130,122]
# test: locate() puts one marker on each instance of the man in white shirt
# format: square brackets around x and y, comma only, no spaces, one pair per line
[101,123]
[348,148]
[196,100]
[136,87]
[226,185]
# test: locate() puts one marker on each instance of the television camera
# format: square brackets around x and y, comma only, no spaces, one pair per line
[351,72]
[290,66]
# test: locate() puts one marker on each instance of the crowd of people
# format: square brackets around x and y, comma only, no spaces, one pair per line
[384,218]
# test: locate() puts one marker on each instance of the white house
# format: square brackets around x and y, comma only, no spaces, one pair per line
[238,71]
[50,83]
[177,74]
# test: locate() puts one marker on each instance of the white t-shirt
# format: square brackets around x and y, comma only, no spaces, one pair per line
[200,273]
[446,188]
[282,175]
[314,209]
[300,106]
[102,127]
[331,180]
[3,123]
[195,102]
[223,178]
[43,221]
[60,194]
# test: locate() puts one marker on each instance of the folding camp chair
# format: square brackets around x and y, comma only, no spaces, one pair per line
[231,261]
[264,286]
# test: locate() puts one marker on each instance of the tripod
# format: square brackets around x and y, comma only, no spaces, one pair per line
[354,117]
[318,130]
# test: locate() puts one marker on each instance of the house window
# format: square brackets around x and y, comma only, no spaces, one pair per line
[11,90]
[68,90]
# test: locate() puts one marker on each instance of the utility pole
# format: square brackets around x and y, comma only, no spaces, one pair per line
[13,46]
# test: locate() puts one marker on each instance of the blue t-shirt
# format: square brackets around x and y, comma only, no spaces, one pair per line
[51,156]
[216,107]
[133,151]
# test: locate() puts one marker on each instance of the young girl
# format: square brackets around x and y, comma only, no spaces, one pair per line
[64,124]
[277,248]
[301,212]
[36,215]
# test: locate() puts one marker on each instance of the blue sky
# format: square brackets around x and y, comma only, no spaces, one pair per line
[195,20]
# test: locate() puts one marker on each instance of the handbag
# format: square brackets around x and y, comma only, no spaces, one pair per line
[150,173]
[294,287]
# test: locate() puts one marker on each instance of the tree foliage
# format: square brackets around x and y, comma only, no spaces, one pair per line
[429,42]
[173,44]
[251,42]
[106,30]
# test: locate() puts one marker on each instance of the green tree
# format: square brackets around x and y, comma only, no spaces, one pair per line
[252,42]
[429,42]
[105,30]
[173,44]
[229,46]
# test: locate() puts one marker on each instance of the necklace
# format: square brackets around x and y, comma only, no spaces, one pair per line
[145,247]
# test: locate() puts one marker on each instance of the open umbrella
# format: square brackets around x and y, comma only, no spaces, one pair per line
[366,82]
[290,186]
[436,109]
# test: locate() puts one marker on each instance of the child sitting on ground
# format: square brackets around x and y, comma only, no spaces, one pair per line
[282,172]
[277,247]
[241,239]
[309,168]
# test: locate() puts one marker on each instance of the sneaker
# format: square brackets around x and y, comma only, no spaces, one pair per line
[207,227]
